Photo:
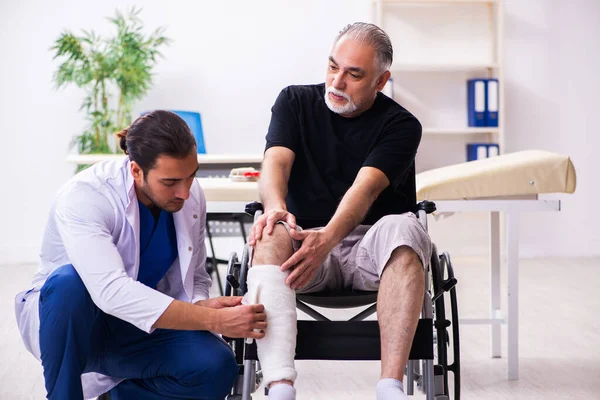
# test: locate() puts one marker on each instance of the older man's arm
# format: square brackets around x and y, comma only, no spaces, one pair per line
[317,244]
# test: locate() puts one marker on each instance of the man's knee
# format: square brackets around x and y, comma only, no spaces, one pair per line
[211,368]
[225,370]
[275,248]
[405,258]
[65,288]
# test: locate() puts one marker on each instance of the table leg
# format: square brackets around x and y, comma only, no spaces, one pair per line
[513,294]
[495,303]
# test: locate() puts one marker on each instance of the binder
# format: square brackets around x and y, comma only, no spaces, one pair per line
[476,99]
[388,89]
[479,151]
[491,103]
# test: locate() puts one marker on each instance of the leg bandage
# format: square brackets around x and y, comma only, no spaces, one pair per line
[276,351]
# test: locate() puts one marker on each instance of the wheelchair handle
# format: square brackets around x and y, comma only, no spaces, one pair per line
[253,208]
[447,285]
[427,206]
[233,281]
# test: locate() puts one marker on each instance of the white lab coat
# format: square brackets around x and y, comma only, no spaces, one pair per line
[94,225]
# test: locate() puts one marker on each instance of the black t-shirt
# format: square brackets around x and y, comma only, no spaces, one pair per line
[330,150]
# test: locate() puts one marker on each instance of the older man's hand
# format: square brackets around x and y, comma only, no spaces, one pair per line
[268,221]
[316,246]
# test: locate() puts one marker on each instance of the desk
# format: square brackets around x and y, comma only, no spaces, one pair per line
[224,193]
[210,164]
[225,196]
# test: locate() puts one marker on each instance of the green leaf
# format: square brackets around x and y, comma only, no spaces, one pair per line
[114,71]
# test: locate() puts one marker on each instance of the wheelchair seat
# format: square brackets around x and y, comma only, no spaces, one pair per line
[338,299]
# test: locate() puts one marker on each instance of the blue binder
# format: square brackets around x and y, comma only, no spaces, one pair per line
[388,89]
[491,102]
[476,99]
[479,151]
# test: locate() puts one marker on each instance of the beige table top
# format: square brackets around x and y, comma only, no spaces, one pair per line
[203,159]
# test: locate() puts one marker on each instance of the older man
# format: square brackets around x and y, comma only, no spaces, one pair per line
[338,184]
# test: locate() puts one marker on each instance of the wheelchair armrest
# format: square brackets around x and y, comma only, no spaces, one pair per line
[425,205]
[252,208]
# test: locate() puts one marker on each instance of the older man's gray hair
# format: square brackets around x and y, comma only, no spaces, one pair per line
[371,35]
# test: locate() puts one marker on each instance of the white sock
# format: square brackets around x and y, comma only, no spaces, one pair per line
[282,391]
[276,351]
[390,389]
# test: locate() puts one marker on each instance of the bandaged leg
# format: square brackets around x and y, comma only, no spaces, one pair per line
[276,351]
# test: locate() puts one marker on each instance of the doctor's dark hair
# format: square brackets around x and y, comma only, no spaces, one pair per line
[154,134]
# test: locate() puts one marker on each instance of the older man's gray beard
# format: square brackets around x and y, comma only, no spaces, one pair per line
[347,108]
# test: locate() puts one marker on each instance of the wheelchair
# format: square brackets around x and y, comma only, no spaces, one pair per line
[435,345]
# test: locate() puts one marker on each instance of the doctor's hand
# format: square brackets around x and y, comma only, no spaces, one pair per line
[316,245]
[221,302]
[241,321]
[268,220]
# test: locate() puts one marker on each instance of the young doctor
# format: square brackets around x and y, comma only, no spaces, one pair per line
[120,301]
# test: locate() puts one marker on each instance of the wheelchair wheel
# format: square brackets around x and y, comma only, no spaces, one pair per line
[455,366]
[441,267]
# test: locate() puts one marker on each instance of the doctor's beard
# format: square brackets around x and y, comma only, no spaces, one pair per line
[171,206]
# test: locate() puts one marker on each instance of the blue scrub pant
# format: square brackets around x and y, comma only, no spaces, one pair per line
[77,337]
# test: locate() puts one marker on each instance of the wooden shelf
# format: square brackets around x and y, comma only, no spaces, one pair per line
[441,44]
[460,131]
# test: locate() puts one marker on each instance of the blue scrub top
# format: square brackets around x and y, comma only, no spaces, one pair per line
[158,245]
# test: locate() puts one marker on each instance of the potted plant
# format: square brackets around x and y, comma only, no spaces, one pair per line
[114,71]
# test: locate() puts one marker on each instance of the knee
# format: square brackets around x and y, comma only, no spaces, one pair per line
[212,370]
[404,268]
[275,248]
[225,372]
[66,289]
[405,258]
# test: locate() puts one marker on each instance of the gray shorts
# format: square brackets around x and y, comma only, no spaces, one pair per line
[357,262]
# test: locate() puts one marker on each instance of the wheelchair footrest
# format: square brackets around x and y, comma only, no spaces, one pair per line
[350,340]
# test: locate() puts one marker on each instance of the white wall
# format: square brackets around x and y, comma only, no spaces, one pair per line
[552,86]
[552,99]
[230,59]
